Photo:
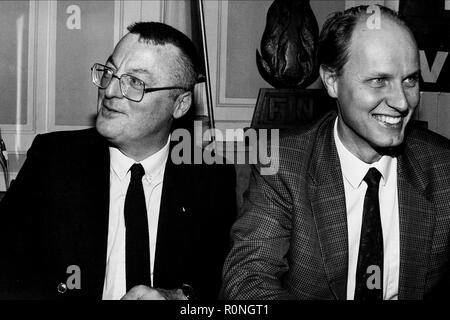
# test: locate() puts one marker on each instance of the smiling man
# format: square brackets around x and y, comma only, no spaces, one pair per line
[359,208]
[377,90]
[104,212]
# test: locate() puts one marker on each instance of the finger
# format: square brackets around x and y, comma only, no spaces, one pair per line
[179,295]
[165,294]
[136,292]
[152,294]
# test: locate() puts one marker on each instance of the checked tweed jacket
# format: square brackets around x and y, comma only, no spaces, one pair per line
[290,241]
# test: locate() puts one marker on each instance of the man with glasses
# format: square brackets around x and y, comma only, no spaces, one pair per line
[104,212]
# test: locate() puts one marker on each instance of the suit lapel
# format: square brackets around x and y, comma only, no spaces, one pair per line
[174,225]
[416,218]
[329,210]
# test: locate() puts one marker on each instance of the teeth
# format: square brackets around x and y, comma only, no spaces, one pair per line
[388,120]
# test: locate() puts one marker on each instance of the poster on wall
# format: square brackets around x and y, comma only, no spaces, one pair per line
[430,22]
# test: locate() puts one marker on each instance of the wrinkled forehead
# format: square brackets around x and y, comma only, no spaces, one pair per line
[385,44]
[131,52]
[383,23]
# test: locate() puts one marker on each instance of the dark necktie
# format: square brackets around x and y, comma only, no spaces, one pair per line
[369,272]
[137,254]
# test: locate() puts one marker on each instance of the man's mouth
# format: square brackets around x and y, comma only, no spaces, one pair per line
[389,121]
[109,110]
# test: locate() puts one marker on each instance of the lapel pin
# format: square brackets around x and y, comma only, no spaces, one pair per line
[183,210]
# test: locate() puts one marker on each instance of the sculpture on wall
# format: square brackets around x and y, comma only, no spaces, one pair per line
[288,62]
[288,45]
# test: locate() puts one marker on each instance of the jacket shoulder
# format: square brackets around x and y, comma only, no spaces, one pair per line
[301,138]
[298,146]
[66,136]
[430,150]
[422,137]
[67,141]
[427,144]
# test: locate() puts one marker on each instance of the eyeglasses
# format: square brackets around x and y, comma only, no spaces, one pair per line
[131,87]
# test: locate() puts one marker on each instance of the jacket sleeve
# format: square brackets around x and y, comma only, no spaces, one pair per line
[261,236]
[21,223]
[216,230]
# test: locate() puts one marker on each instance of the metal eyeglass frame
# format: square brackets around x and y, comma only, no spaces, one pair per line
[144,90]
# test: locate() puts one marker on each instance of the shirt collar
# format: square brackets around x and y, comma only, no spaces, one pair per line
[153,165]
[354,169]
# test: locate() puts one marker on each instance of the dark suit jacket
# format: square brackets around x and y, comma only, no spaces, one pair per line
[291,240]
[56,215]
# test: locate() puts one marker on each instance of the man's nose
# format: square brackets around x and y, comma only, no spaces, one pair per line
[113,88]
[397,98]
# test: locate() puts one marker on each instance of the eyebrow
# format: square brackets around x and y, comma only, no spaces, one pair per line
[379,75]
[387,75]
[145,72]
[135,70]
[139,70]
[414,74]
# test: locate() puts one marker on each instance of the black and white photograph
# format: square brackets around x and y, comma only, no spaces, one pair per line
[228,154]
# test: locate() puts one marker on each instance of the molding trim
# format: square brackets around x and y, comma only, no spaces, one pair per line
[153,10]
[18,137]
[51,65]
[118,20]
[223,100]
[50,118]
[225,109]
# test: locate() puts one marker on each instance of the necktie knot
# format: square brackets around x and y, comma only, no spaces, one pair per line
[137,172]
[372,178]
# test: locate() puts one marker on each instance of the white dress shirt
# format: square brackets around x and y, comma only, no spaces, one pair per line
[353,171]
[115,282]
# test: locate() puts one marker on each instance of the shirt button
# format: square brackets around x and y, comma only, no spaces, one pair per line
[183,210]
[62,288]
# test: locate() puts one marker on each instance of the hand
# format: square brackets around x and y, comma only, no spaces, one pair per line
[147,293]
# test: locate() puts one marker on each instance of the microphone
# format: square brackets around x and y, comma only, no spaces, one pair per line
[4,160]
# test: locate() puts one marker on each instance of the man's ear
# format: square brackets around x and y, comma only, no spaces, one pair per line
[182,104]
[329,80]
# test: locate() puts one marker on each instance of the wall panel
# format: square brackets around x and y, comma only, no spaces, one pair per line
[236,30]
[78,46]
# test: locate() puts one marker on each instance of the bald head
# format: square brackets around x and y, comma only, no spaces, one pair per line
[341,29]
[381,46]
